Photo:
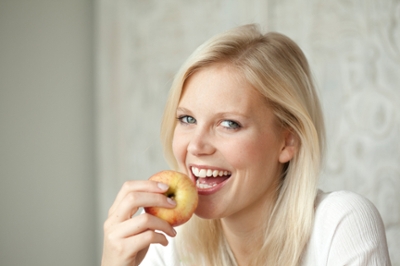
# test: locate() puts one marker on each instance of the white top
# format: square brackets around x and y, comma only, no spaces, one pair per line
[348,230]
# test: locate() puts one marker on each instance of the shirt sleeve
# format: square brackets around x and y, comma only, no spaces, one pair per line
[348,230]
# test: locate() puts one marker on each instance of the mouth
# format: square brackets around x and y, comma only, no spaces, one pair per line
[208,179]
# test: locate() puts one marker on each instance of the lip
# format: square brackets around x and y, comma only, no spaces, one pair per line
[207,191]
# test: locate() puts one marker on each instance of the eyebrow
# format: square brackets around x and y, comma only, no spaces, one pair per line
[182,109]
[223,114]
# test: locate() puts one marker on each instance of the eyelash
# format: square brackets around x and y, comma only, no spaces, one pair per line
[183,120]
[185,117]
[230,122]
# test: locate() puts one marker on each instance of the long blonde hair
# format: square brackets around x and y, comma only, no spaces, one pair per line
[274,65]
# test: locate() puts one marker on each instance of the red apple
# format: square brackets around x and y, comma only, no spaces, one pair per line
[183,191]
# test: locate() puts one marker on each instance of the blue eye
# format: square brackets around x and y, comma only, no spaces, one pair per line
[230,124]
[186,119]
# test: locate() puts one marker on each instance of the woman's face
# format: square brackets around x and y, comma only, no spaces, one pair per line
[229,142]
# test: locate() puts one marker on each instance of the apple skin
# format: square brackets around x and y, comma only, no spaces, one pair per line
[183,191]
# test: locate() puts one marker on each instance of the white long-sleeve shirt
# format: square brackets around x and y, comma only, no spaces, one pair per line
[348,230]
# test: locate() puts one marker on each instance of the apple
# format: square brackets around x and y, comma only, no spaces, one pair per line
[182,190]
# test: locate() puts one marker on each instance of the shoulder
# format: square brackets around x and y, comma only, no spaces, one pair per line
[345,204]
[346,214]
[348,230]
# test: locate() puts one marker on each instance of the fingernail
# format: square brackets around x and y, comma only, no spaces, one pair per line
[171,201]
[163,186]
[174,231]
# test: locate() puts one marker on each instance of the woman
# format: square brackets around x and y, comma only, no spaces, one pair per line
[243,121]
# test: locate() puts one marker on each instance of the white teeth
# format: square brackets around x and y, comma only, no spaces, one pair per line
[195,171]
[203,173]
[205,186]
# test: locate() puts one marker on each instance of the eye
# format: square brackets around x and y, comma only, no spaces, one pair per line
[230,124]
[186,119]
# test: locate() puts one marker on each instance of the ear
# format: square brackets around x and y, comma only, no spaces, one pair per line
[290,146]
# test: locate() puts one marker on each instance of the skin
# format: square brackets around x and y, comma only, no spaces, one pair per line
[126,239]
[226,124]
[223,123]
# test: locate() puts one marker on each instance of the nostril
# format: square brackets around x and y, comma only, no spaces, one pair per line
[201,142]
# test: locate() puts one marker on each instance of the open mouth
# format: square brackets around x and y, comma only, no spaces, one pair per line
[209,178]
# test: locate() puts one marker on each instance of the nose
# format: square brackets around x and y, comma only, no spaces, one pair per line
[201,143]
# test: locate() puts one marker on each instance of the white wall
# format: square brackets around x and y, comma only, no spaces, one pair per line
[47,184]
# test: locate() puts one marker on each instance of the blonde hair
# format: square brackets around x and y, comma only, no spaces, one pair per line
[274,65]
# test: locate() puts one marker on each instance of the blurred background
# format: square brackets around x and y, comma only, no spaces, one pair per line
[82,90]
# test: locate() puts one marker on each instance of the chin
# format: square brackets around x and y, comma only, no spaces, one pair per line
[207,210]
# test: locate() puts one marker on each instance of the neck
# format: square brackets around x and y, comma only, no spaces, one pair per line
[245,231]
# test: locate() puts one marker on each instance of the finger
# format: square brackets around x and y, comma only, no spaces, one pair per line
[123,251]
[142,223]
[134,200]
[143,240]
[138,186]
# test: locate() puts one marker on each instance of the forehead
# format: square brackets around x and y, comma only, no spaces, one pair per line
[222,84]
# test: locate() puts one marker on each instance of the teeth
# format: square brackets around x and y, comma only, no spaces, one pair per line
[205,186]
[195,171]
[209,172]
[203,173]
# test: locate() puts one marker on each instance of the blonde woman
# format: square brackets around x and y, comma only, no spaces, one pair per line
[243,121]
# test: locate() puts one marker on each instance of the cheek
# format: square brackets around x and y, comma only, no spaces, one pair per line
[240,154]
[258,152]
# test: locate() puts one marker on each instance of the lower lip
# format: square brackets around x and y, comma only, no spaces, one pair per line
[211,190]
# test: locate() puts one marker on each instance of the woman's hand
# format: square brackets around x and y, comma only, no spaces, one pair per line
[127,238]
